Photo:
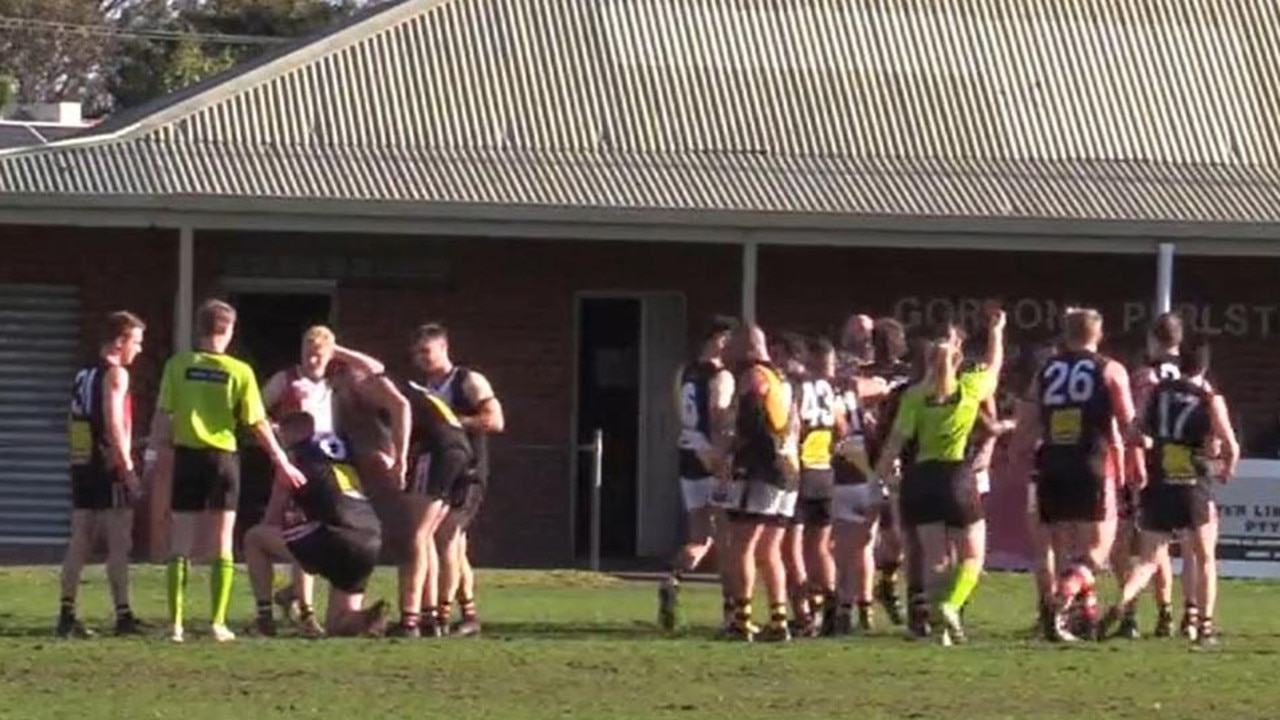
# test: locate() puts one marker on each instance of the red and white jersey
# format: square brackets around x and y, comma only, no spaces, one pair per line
[303,394]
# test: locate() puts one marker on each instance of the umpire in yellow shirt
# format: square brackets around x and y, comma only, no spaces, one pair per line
[205,395]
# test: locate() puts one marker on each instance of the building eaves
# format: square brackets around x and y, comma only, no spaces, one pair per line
[1154,111]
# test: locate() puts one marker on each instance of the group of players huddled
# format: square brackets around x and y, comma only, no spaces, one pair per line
[337,430]
[820,466]
[814,465]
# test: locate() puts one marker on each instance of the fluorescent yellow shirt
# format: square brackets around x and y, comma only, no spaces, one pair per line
[941,429]
[209,396]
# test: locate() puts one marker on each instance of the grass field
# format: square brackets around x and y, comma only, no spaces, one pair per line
[565,644]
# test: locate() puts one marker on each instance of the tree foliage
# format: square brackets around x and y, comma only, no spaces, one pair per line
[146,69]
[51,51]
[112,54]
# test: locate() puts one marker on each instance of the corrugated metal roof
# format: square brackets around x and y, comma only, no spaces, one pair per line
[1148,110]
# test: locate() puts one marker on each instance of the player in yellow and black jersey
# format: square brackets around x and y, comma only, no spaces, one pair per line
[442,465]
[822,424]
[1193,446]
[327,526]
[104,480]
[765,479]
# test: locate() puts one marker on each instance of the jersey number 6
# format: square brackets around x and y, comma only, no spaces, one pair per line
[689,406]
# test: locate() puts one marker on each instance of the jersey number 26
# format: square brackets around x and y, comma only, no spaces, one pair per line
[1068,382]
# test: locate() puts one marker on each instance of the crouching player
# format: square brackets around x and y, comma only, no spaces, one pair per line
[331,530]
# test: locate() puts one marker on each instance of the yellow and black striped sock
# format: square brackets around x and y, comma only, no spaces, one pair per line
[778,615]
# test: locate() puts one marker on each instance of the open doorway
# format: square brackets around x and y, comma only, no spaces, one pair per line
[269,326]
[609,400]
[629,348]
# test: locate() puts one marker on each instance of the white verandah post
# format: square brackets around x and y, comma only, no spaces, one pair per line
[1164,277]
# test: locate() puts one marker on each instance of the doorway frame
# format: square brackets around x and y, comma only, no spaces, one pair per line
[575,454]
[238,285]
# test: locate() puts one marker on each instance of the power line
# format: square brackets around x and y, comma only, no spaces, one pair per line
[165,35]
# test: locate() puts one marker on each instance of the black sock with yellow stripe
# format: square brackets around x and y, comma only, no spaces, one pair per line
[778,615]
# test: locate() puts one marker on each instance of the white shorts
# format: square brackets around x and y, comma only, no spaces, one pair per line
[982,479]
[697,493]
[753,497]
[856,503]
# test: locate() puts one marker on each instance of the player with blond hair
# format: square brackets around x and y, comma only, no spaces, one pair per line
[308,387]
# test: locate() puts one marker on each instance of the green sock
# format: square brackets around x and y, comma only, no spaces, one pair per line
[224,572]
[962,585]
[177,584]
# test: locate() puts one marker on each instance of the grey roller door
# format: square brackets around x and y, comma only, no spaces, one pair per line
[39,353]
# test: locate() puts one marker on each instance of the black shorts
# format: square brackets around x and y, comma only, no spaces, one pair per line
[205,479]
[813,512]
[343,556]
[445,476]
[817,484]
[94,487]
[1173,508]
[465,502]
[814,504]
[936,492]
[1080,495]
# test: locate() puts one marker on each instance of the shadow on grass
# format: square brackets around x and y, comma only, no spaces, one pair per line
[565,631]
[27,632]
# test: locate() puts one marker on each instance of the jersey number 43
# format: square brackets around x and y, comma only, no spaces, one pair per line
[817,404]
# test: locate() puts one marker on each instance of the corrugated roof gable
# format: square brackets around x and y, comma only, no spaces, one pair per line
[1010,92]
[980,79]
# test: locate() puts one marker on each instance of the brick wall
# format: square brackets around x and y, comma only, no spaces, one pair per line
[510,308]
[1236,301]
[812,289]
[115,269]
[1233,300]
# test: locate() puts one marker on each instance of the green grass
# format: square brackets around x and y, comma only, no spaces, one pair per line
[567,644]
